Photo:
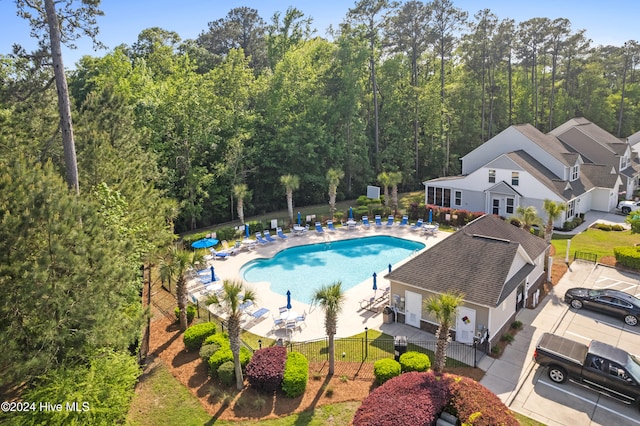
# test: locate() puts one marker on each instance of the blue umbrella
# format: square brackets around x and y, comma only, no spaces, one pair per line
[298,218]
[246,230]
[430,215]
[375,281]
[213,274]
[288,299]
[204,243]
[389,268]
[350,213]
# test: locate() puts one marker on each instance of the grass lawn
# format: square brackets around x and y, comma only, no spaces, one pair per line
[594,241]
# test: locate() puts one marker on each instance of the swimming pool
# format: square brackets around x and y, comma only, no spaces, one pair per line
[305,268]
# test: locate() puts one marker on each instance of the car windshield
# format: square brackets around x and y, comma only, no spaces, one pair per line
[594,293]
[634,367]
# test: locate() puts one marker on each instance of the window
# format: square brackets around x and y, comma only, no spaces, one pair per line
[571,207]
[439,196]
[492,176]
[575,172]
[510,204]
[458,198]
[515,178]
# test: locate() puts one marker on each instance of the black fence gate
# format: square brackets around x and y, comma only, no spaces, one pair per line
[585,255]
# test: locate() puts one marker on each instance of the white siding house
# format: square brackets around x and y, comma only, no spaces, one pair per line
[577,164]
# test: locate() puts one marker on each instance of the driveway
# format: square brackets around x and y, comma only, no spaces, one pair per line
[534,395]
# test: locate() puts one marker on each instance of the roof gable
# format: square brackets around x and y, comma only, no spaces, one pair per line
[476,261]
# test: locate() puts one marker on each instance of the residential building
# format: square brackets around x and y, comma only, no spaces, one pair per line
[577,164]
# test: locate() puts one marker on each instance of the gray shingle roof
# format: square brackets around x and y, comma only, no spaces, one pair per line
[548,142]
[476,261]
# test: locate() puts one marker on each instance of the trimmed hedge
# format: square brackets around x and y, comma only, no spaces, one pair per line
[266,368]
[385,369]
[223,355]
[419,398]
[628,256]
[414,361]
[474,404]
[207,350]
[227,373]
[411,399]
[194,336]
[296,374]
[191,313]
[220,339]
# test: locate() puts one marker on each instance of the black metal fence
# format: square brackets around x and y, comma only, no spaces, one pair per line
[360,349]
[585,255]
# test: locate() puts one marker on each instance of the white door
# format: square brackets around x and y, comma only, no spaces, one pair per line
[413,308]
[465,325]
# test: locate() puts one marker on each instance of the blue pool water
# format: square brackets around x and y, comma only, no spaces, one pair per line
[305,268]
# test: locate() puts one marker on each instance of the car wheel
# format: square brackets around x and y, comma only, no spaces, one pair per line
[575,303]
[626,210]
[631,320]
[557,374]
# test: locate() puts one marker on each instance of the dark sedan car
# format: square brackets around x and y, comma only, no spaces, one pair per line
[611,302]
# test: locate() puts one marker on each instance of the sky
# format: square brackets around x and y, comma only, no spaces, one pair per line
[612,22]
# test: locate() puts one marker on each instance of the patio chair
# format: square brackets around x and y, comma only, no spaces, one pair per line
[226,248]
[291,326]
[378,221]
[390,221]
[417,225]
[281,234]
[365,222]
[330,226]
[282,309]
[277,322]
[268,237]
[404,221]
[319,228]
[301,318]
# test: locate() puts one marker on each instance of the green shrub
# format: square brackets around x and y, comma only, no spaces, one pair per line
[386,368]
[516,325]
[207,350]
[223,355]
[507,337]
[617,228]
[227,373]
[194,336]
[220,339]
[414,361]
[191,313]
[628,256]
[296,374]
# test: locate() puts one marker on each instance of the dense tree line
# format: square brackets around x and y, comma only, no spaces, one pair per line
[398,87]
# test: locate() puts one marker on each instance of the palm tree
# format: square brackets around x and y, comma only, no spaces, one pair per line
[291,183]
[241,192]
[330,298]
[528,216]
[233,294]
[395,178]
[384,180]
[174,266]
[444,307]
[333,176]
[553,210]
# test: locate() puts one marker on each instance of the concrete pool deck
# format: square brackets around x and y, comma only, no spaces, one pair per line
[353,319]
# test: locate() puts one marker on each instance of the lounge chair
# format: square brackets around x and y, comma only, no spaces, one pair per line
[365,222]
[268,237]
[260,239]
[378,220]
[330,226]
[246,307]
[390,221]
[281,234]
[417,225]
[260,313]
[319,228]
[227,249]
[404,221]
[219,254]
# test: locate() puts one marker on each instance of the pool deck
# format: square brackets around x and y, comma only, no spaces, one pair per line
[353,319]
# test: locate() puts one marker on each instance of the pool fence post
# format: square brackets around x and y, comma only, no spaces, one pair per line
[366,342]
